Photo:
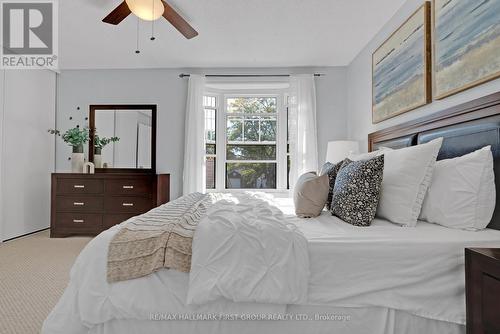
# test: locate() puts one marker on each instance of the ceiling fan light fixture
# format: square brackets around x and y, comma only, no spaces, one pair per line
[148,10]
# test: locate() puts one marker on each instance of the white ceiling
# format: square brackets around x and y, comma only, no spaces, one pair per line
[232,33]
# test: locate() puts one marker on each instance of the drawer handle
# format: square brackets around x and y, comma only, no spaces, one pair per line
[78,221]
[128,204]
[128,187]
[80,186]
[78,203]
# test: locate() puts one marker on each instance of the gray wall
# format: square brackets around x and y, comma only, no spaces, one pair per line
[162,87]
[331,104]
[360,85]
[80,88]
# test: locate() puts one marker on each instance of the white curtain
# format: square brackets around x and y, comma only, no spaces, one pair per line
[194,151]
[303,130]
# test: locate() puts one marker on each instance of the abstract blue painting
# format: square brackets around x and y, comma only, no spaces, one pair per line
[466,44]
[401,68]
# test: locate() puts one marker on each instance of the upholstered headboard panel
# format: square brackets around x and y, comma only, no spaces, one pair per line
[396,143]
[464,128]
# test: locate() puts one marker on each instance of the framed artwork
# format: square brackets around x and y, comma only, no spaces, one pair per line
[466,44]
[401,73]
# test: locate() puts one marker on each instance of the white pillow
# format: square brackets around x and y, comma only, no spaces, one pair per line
[407,175]
[369,155]
[462,192]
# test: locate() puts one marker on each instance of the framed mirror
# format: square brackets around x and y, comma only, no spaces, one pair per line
[123,138]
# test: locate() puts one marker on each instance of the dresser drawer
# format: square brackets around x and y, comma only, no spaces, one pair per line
[79,186]
[79,221]
[113,219]
[79,204]
[138,186]
[127,204]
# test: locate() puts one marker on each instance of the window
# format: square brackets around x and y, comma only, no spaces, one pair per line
[210,107]
[252,150]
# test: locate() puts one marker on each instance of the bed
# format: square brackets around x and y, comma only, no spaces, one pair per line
[380,279]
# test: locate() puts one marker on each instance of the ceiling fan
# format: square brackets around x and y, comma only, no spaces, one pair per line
[151,10]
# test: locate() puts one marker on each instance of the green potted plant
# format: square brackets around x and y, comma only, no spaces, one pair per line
[75,137]
[99,144]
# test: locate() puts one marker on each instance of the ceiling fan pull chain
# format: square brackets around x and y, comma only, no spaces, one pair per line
[153,23]
[137,40]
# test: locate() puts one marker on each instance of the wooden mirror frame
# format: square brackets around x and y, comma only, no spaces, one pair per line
[151,107]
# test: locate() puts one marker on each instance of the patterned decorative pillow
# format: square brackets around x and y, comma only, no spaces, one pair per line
[331,170]
[357,191]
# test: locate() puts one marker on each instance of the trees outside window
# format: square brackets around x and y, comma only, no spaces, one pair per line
[254,154]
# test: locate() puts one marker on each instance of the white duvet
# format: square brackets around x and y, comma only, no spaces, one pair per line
[418,270]
[245,251]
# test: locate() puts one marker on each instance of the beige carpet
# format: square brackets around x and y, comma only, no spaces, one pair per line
[34,271]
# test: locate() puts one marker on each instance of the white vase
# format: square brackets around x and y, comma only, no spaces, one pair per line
[98,160]
[77,161]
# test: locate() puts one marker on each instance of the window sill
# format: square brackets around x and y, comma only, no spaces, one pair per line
[275,192]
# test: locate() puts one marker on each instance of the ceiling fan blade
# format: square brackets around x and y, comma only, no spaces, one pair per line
[118,14]
[178,22]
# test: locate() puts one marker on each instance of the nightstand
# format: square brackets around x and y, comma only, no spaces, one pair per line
[482,289]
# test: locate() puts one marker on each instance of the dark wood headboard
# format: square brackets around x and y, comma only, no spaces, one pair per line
[464,128]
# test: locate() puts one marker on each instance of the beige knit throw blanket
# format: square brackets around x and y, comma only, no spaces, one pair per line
[160,238]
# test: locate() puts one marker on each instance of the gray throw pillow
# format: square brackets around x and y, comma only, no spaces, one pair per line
[357,191]
[310,195]
[331,170]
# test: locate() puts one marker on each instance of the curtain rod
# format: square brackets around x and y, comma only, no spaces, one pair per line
[183,75]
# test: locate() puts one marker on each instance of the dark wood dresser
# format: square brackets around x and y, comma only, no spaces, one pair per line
[87,204]
[482,285]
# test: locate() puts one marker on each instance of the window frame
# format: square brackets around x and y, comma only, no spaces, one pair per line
[221,136]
